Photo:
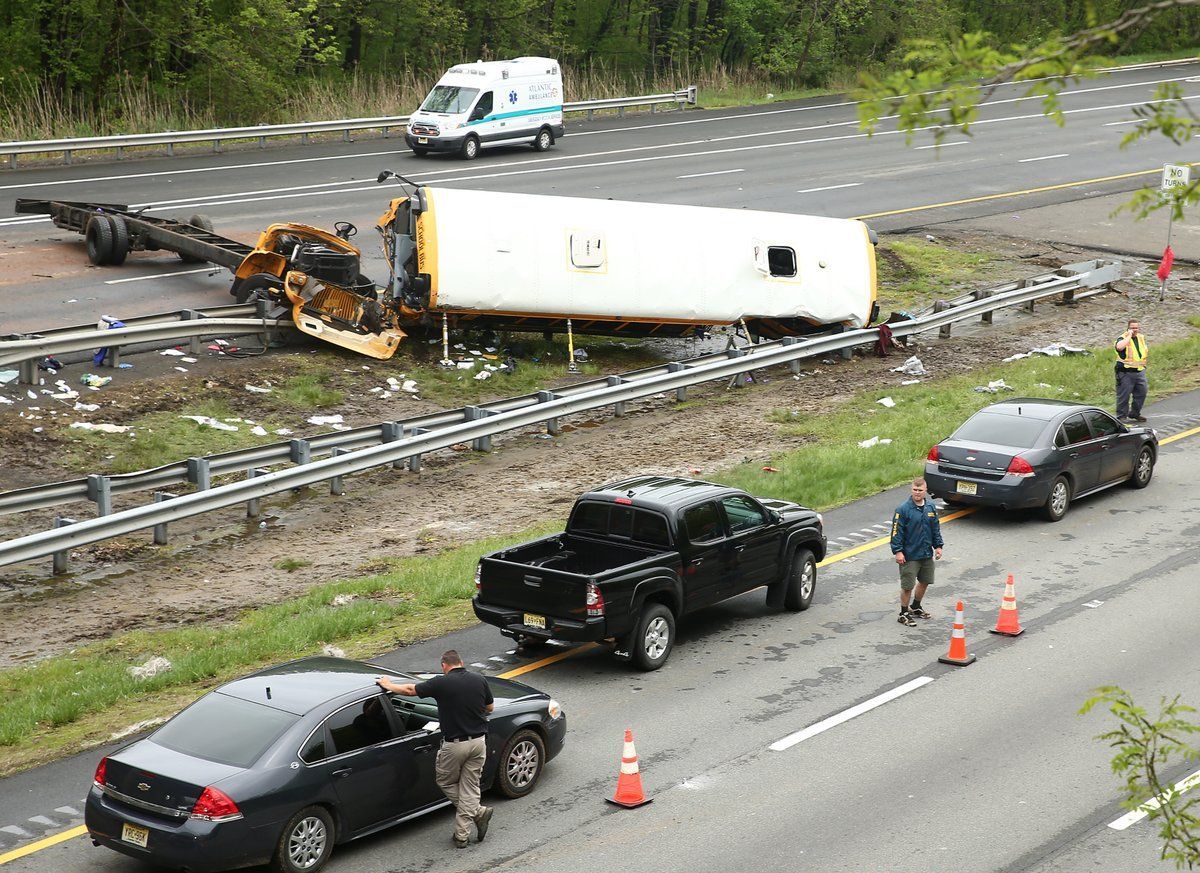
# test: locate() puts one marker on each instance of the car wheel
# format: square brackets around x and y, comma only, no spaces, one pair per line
[1143,468]
[99,240]
[120,243]
[254,286]
[306,842]
[654,637]
[802,581]
[543,141]
[521,763]
[470,148]
[1059,500]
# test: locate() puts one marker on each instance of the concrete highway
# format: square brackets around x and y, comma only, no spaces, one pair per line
[807,157]
[982,768]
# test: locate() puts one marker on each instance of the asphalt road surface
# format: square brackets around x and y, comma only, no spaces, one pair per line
[982,768]
[807,157]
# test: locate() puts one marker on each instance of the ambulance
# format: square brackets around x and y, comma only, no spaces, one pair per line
[490,103]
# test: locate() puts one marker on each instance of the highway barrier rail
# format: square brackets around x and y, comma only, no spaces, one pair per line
[67,147]
[400,443]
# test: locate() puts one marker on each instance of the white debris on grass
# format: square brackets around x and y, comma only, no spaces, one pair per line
[1054,350]
[994,387]
[283,431]
[258,389]
[157,664]
[258,430]
[465,365]
[911,367]
[4,399]
[873,441]
[886,401]
[325,419]
[409,386]
[343,599]
[102,428]
[483,374]
[206,421]
[172,353]
[32,395]
[330,651]
[911,382]
[188,360]
[182,369]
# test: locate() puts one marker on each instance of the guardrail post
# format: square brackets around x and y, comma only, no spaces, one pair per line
[160,529]
[390,432]
[794,364]
[216,146]
[942,306]
[113,359]
[120,153]
[739,379]
[99,491]
[620,112]
[170,150]
[387,131]
[304,138]
[1027,283]
[983,294]
[552,426]
[619,406]
[414,461]
[681,391]
[476,413]
[60,558]
[67,157]
[262,142]
[193,341]
[337,487]
[1068,295]
[591,113]
[301,453]
[12,161]
[254,504]
[346,135]
[27,370]
[198,473]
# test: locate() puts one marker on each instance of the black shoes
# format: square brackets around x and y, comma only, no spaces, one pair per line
[906,618]
[1138,417]
[918,612]
[481,823]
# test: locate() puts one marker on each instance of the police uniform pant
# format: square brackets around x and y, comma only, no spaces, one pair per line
[459,767]
[1131,392]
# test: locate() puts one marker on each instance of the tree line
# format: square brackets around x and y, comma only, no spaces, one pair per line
[240,57]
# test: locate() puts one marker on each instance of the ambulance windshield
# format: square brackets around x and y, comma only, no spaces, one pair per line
[449,98]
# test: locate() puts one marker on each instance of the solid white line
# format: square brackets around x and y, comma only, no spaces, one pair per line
[1119,123]
[830,188]
[211,269]
[1136,815]
[1042,158]
[714,173]
[943,145]
[845,716]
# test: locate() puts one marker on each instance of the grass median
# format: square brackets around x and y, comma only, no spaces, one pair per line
[68,702]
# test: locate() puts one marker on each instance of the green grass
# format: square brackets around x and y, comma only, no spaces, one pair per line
[913,272]
[163,438]
[309,391]
[831,469]
[290,565]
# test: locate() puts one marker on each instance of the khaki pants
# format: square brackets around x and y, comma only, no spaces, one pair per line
[459,767]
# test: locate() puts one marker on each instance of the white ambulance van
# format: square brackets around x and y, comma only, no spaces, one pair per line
[490,103]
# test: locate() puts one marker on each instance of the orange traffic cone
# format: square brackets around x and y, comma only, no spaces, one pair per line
[958,642]
[629,783]
[1008,622]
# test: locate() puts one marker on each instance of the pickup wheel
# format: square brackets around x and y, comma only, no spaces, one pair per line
[654,637]
[802,581]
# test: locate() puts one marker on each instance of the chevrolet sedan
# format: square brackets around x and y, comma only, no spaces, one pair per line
[280,766]
[1030,453]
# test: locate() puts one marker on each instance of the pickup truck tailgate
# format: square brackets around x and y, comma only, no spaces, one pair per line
[540,590]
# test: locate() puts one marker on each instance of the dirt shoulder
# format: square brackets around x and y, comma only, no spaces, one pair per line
[218,565]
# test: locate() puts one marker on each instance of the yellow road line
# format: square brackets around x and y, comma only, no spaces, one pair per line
[42,844]
[871,544]
[1179,436]
[1013,193]
[546,662]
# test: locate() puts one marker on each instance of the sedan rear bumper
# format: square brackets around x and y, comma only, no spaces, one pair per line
[1009,492]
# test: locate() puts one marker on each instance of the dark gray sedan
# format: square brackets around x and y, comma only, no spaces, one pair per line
[279,766]
[1029,453]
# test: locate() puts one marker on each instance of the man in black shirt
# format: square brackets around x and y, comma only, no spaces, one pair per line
[464,701]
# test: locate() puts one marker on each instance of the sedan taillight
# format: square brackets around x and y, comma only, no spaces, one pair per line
[933,454]
[101,772]
[1018,466]
[215,805]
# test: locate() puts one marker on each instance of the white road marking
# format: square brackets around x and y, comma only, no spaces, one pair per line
[1117,123]
[1043,158]
[1134,816]
[830,188]
[494,658]
[714,173]
[944,145]
[845,716]
[44,821]
[212,269]
[1094,604]
[16,831]
[68,810]
[478,665]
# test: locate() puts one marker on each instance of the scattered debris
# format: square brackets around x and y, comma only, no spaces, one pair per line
[465,365]
[257,389]
[5,400]
[581,355]
[342,600]
[886,401]
[332,651]
[177,353]
[103,428]
[206,421]
[50,363]
[912,367]
[93,381]
[770,470]
[1054,350]
[7,376]
[483,374]
[188,360]
[911,382]
[283,431]
[86,407]
[873,441]
[157,664]
[994,387]
[258,430]
[325,419]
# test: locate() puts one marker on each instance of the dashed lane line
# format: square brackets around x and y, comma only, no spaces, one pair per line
[845,715]
[1134,816]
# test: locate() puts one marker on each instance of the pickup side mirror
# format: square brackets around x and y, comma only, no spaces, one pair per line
[776,517]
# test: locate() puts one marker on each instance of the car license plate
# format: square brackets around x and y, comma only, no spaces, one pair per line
[422,139]
[134,834]
[966,487]
[535,621]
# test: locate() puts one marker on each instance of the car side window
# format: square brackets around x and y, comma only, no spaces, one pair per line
[1102,425]
[315,749]
[359,725]
[743,514]
[1076,430]
[703,523]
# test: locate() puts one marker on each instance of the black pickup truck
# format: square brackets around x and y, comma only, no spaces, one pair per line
[639,554]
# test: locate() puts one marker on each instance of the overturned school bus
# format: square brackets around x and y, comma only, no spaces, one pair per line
[485,259]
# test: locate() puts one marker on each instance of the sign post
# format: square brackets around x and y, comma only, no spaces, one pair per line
[1173,176]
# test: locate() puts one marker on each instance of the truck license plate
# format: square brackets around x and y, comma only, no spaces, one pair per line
[535,621]
[134,834]
[422,139]
[966,487]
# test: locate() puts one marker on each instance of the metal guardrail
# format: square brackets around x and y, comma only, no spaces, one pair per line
[302,129]
[394,443]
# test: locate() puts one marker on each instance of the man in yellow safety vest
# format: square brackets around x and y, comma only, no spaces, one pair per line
[1132,351]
